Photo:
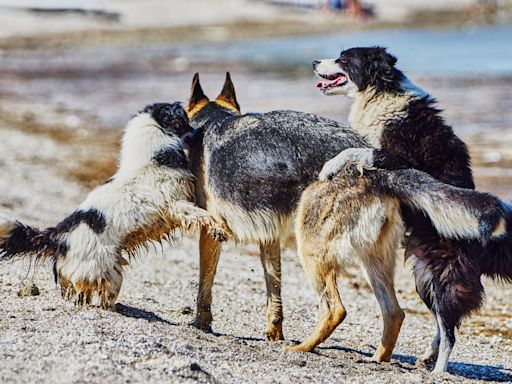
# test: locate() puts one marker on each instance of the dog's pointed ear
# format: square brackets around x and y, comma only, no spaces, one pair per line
[198,99]
[227,97]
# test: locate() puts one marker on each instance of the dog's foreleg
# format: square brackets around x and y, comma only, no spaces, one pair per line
[271,260]
[190,216]
[209,252]
[360,156]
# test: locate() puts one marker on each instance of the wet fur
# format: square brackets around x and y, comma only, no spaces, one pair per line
[407,130]
[354,219]
[149,197]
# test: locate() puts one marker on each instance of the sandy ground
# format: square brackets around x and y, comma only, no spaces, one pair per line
[44,339]
[60,113]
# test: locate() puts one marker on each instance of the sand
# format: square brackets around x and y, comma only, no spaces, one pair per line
[61,110]
[45,339]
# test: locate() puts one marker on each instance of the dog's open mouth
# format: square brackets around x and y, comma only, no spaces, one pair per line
[331,81]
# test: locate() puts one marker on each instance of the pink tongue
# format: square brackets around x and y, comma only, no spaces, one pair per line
[327,83]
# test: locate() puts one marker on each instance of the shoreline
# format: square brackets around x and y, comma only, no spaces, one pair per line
[237,31]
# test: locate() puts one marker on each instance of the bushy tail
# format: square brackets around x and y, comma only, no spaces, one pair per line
[18,240]
[456,213]
[496,257]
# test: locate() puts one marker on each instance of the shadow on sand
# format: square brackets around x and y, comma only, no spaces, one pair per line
[138,313]
[466,370]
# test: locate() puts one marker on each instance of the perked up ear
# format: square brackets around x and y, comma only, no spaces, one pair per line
[227,97]
[198,99]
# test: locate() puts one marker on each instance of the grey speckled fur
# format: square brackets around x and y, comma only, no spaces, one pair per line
[265,161]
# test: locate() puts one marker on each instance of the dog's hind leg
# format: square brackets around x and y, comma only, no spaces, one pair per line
[271,261]
[430,356]
[209,252]
[380,275]
[331,309]
[446,343]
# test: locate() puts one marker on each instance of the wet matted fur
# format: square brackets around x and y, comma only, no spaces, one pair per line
[407,130]
[149,197]
[354,220]
[251,170]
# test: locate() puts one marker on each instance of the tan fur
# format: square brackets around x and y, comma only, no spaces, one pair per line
[198,99]
[500,229]
[227,104]
[341,223]
[209,252]
[194,110]
[227,97]
[370,111]
[260,227]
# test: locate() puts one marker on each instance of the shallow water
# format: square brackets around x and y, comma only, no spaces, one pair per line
[483,50]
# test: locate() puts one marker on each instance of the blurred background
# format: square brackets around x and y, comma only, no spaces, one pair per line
[73,71]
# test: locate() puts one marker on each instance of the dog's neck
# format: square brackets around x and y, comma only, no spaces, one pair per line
[142,140]
[371,110]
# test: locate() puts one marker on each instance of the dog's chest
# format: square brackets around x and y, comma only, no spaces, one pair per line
[370,115]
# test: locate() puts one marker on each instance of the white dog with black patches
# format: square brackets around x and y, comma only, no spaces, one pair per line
[149,197]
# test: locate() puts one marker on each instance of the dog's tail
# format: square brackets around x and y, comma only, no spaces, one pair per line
[496,256]
[456,213]
[21,241]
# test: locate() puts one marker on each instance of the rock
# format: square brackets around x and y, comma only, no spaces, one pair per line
[28,289]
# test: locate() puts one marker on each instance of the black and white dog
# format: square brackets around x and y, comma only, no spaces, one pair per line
[406,130]
[149,197]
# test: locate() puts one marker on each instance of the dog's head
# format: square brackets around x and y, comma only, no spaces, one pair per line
[170,118]
[226,101]
[358,69]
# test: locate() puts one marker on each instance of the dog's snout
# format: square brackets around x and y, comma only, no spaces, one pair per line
[315,63]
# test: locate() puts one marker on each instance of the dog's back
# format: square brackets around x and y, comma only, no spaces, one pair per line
[257,165]
[251,171]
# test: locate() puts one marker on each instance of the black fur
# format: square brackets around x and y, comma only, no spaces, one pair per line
[48,243]
[447,271]
[373,67]
[24,239]
[265,160]
[423,140]
[171,118]
[92,217]
[171,158]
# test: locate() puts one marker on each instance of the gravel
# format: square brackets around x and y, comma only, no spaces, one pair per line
[149,339]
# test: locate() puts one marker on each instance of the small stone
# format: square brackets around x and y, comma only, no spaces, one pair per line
[186,311]
[28,289]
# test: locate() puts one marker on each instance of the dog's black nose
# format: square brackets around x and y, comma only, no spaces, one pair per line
[315,63]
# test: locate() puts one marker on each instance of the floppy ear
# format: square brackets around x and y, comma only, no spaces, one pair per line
[227,97]
[197,99]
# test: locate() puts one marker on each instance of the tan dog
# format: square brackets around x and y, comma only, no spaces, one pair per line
[355,220]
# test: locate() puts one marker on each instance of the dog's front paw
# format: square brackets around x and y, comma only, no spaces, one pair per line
[363,157]
[217,230]
[330,168]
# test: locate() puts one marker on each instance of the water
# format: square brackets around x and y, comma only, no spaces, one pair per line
[460,52]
